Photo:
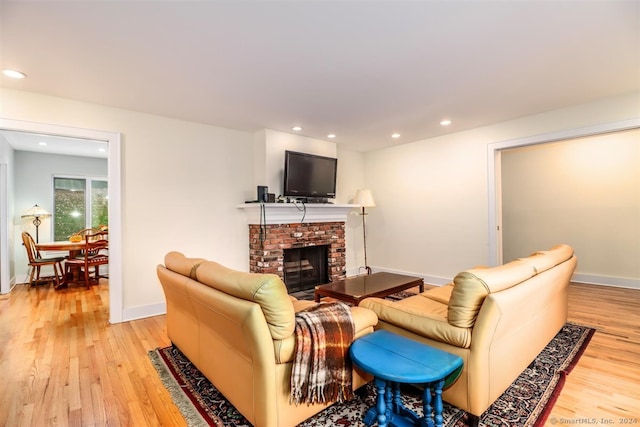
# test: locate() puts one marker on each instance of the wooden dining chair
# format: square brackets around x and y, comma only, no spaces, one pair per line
[94,255]
[36,261]
[79,235]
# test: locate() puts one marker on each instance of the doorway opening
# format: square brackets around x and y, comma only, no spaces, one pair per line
[495,176]
[114,193]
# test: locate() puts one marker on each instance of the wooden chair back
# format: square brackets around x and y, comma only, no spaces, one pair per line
[36,261]
[95,254]
[96,242]
[30,245]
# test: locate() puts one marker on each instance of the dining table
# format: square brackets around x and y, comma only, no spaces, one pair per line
[73,248]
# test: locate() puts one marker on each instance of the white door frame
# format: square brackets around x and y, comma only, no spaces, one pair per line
[5,285]
[115,195]
[494,171]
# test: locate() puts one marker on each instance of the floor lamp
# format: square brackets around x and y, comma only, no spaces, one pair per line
[36,213]
[365,200]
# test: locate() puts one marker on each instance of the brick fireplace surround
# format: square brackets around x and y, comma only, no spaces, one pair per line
[267,256]
[274,227]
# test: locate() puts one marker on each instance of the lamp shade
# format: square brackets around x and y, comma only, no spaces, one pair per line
[36,212]
[364,198]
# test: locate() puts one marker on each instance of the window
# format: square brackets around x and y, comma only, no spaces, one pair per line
[78,203]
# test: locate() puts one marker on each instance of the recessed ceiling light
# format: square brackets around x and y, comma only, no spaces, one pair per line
[296,128]
[14,74]
[331,135]
[445,122]
[42,143]
[395,135]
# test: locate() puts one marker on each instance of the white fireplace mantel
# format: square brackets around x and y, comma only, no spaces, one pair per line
[294,213]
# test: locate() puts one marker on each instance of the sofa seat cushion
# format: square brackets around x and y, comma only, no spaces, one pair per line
[441,294]
[301,304]
[266,290]
[363,321]
[421,315]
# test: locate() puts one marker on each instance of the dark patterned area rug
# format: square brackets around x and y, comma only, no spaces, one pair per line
[527,402]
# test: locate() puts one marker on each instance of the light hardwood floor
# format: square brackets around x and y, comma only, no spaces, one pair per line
[63,364]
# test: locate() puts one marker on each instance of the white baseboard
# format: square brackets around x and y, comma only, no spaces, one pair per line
[140,312]
[12,284]
[431,280]
[618,282]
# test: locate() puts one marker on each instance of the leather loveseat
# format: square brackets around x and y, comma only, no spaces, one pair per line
[497,319]
[238,329]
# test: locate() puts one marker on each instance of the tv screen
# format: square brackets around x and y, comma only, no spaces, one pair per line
[309,175]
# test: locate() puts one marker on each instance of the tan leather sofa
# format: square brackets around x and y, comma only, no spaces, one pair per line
[497,319]
[238,329]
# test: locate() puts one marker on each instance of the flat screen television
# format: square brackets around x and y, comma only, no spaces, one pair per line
[309,176]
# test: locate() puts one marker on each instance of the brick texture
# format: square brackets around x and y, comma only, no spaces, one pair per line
[267,244]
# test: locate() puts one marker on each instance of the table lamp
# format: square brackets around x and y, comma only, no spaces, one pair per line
[365,200]
[36,213]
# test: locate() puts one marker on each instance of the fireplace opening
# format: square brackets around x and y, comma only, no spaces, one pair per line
[305,267]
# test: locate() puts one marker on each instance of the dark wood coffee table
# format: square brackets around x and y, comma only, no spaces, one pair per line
[355,289]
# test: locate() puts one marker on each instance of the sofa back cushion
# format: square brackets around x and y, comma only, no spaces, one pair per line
[544,260]
[266,290]
[472,286]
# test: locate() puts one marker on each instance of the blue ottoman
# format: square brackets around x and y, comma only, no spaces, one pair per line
[394,360]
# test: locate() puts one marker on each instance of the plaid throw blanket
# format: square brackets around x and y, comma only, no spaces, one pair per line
[321,370]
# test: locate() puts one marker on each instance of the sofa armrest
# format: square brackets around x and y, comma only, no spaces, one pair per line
[421,316]
[363,321]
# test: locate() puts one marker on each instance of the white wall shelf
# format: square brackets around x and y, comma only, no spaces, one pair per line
[295,213]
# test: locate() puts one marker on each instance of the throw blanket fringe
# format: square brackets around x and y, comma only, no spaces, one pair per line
[321,370]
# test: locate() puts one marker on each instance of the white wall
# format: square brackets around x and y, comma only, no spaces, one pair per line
[351,178]
[181,182]
[584,192]
[271,145]
[269,148]
[432,199]
[34,185]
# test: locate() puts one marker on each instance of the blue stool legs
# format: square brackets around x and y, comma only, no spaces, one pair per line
[438,406]
[393,360]
[432,404]
[382,409]
[390,412]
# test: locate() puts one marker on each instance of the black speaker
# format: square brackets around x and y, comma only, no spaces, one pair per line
[262,193]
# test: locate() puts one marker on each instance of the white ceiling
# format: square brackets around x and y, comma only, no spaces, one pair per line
[25,141]
[359,69]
